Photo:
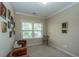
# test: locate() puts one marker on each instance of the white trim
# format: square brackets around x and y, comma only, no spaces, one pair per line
[21,13]
[65,8]
[35,44]
[65,51]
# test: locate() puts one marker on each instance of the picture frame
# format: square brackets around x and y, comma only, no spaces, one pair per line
[64,31]
[13,31]
[11,22]
[11,19]
[9,13]
[10,34]
[4,26]
[14,28]
[64,27]
[9,25]
[2,10]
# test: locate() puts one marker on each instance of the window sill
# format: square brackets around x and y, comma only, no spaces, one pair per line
[32,38]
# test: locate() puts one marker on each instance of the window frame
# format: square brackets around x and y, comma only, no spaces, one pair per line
[32,31]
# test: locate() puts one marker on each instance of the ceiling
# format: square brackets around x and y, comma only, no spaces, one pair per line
[39,9]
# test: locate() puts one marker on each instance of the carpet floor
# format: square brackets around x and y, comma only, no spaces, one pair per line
[45,51]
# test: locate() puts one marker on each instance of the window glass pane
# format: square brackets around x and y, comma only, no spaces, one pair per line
[26,26]
[27,34]
[37,26]
[37,34]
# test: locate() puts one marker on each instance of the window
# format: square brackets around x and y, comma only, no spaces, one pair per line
[31,30]
[37,30]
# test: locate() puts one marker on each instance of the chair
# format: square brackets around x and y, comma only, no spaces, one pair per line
[18,52]
[22,43]
[21,51]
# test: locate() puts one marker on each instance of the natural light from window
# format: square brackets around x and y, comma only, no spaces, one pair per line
[31,30]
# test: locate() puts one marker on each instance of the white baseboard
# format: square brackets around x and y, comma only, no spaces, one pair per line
[54,46]
[29,45]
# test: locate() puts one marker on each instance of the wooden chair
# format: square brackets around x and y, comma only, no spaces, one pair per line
[19,52]
[22,43]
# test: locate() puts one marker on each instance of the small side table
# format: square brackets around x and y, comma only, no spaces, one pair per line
[45,42]
[45,39]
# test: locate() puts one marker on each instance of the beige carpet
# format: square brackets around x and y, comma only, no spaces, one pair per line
[45,51]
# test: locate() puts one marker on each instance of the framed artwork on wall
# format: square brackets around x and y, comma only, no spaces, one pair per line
[10,34]
[13,28]
[9,13]
[64,27]
[64,31]
[2,10]
[14,31]
[11,22]
[4,26]
[9,25]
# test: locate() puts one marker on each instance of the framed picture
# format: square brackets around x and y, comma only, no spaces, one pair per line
[14,28]
[10,34]
[4,26]
[14,32]
[9,25]
[2,10]
[64,31]
[9,13]
[11,19]
[64,25]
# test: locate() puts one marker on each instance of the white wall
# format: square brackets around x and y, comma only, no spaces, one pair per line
[69,41]
[6,43]
[23,18]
